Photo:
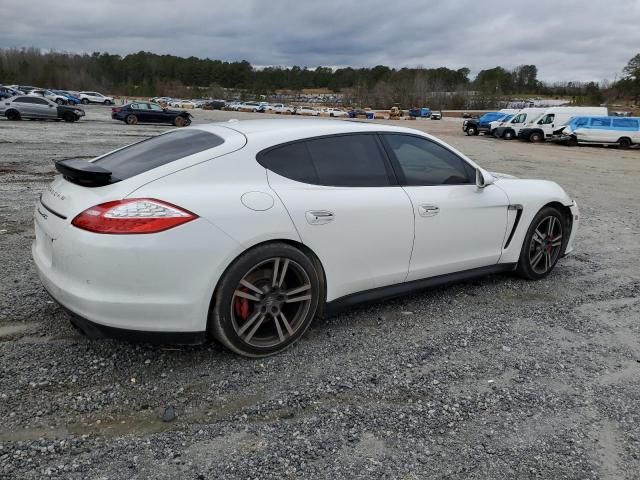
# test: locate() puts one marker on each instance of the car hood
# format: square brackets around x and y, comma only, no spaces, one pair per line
[499,175]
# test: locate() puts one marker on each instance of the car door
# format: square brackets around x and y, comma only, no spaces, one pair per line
[38,107]
[458,226]
[157,114]
[142,111]
[343,198]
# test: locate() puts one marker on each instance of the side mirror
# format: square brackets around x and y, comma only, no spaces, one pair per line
[483,178]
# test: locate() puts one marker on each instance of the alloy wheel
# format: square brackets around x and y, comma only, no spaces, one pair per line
[546,244]
[271,302]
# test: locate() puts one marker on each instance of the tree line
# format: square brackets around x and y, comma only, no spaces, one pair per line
[150,74]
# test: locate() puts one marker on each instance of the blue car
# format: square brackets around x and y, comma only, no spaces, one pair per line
[423,112]
[8,92]
[71,99]
[475,126]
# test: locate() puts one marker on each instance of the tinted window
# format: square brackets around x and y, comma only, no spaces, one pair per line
[349,161]
[625,123]
[155,107]
[40,101]
[600,122]
[157,151]
[292,161]
[424,162]
[581,122]
[547,119]
[23,100]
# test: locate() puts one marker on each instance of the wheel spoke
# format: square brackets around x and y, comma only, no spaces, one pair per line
[547,260]
[247,295]
[251,286]
[537,237]
[278,328]
[536,259]
[254,329]
[550,225]
[303,288]
[276,266]
[249,322]
[557,241]
[298,299]
[286,323]
[284,272]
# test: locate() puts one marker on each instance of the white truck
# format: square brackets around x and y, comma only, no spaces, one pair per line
[510,129]
[542,128]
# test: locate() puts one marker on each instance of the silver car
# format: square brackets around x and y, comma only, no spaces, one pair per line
[33,107]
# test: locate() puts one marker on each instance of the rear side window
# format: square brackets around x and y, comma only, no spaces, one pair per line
[625,123]
[337,161]
[157,151]
[291,161]
[600,122]
[349,161]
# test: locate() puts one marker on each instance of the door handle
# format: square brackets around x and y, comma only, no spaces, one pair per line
[428,210]
[319,217]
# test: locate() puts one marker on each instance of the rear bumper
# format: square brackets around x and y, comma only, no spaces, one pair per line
[96,330]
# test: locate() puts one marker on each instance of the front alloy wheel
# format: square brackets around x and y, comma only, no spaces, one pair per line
[266,300]
[543,244]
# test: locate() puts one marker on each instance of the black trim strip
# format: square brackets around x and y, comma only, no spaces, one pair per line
[518,209]
[50,210]
[399,289]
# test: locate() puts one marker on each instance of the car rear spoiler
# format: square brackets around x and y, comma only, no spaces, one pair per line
[83,173]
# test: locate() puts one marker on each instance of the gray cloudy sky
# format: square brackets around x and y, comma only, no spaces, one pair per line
[567,39]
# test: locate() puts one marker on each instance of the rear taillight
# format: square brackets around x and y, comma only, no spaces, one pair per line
[132,216]
[115,109]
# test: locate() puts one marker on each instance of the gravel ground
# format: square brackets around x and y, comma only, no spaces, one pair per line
[494,378]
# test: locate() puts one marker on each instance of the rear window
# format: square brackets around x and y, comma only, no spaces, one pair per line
[600,122]
[157,151]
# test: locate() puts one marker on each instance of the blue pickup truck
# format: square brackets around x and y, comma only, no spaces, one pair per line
[474,126]
[423,112]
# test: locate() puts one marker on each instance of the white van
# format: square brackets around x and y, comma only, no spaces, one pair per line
[620,131]
[552,119]
[509,130]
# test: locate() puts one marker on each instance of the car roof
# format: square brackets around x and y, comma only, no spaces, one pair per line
[275,130]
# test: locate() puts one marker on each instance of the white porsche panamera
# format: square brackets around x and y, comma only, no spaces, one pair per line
[245,231]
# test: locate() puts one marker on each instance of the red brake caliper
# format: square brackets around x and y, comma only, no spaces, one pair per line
[241,306]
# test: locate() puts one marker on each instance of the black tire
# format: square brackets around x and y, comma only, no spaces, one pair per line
[472,131]
[508,135]
[59,101]
[85,101]
[624,143]
[543,245]
[273,320]
[572,142]
[107,102]
[69,117]
[536,137]
[131,119]
[180,121]
[13,115]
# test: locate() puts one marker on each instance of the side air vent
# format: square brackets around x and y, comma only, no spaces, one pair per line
[518,209]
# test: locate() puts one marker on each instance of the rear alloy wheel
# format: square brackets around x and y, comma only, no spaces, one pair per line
[179,121]
[131,119]
[85,101]
[624,143]
[535,137]
[13,115]
[59,101]
[266,300]
[543,244]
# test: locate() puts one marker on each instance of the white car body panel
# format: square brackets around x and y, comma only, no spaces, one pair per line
[164,282]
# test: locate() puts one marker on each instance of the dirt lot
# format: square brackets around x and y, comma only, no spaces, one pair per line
[496,378]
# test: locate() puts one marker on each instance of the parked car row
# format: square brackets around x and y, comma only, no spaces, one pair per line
[572,125]
[61,97]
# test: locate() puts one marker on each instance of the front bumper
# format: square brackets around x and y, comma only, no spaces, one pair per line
[524,133]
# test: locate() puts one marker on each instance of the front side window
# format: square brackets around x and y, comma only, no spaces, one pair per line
[547,119]
[155,107]
[424,162]
[581,122]
[520,118]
